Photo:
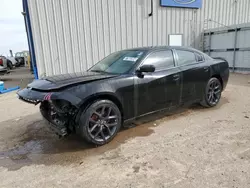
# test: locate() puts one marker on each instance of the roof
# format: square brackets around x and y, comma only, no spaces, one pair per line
[152,48]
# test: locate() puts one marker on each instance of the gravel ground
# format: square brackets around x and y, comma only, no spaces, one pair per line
[19,76]
[194,147]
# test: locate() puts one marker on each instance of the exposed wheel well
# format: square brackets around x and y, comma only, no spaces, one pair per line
[100,97]
[219,78]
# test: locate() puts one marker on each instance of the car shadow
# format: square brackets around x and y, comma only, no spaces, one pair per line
[34,143]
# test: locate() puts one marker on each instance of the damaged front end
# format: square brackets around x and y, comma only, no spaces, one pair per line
[59,112]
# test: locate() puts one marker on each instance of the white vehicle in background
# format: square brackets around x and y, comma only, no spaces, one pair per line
[6,62]
[13,60]
[22,58]
[3,66]
[3,71]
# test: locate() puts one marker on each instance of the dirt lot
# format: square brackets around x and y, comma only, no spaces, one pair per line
[193,148]
[19,76]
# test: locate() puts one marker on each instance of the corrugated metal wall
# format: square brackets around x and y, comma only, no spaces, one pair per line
[231,43]
[72,35]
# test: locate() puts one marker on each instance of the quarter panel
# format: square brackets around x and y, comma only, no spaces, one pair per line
[194,79]
[221,68]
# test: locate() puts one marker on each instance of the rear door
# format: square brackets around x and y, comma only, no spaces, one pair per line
[160,89]
[195,74]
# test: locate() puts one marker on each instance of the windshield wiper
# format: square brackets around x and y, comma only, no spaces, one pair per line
[99,71]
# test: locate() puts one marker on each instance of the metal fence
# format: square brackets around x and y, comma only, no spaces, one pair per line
[231,43]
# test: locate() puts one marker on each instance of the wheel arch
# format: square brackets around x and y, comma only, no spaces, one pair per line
[219,78]
[100,96]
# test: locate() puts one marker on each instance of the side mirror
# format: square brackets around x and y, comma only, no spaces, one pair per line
[146,68]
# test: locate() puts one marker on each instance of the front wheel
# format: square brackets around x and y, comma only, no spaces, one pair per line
[100,122]
[213,93]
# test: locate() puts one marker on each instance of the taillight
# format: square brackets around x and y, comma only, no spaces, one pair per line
[1,62]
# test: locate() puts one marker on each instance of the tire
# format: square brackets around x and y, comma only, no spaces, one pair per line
[9,65]
[100,122]
[23,61]
[17,64]
[212,93]
[20,61]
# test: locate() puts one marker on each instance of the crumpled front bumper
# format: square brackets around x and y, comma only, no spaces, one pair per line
[45,98]
[31,96]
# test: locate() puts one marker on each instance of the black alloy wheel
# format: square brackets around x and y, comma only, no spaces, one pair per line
[100,122]
[213,93]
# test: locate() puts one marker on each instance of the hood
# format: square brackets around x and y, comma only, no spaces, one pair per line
[64,80]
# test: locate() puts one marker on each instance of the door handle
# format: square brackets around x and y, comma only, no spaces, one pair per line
[206,69]
[176,77]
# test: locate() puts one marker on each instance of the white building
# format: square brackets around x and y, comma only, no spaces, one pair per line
[71,35]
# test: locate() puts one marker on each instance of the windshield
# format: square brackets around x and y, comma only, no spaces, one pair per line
[118,62]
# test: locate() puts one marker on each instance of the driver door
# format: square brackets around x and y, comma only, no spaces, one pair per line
[159,89]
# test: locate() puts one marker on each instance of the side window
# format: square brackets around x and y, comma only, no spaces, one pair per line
[185,57]
[161,60]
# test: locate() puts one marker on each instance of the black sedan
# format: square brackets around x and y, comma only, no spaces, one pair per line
[124,86]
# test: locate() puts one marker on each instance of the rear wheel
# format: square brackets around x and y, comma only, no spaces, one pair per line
[100,122]
[213,93]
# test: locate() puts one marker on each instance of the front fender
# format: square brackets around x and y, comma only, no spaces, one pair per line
[83,105]
[100,95]
[75,101]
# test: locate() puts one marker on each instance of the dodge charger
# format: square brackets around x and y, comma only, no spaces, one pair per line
[124,86]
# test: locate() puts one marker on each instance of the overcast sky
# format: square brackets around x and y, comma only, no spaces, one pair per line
[12,28]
